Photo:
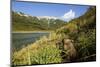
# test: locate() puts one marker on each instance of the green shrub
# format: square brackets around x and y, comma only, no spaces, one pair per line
[87,45]
[45,55]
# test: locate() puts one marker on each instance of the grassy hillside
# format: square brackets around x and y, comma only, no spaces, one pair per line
[83,31]
[80,34]
[21,22]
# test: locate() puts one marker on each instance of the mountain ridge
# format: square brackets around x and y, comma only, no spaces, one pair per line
[24,22]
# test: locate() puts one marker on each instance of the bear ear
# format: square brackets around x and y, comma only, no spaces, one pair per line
[72,40]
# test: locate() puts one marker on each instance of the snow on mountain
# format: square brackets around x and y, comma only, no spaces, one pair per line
[47,17]
[22,14]
[39,17]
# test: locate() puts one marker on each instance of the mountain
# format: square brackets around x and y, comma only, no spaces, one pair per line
[23,22]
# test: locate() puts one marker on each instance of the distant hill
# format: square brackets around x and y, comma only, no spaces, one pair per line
[23,22]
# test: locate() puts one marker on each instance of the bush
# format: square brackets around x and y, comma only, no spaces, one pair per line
[87,45]
[46,55]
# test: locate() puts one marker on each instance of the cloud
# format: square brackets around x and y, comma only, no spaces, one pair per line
[69,15]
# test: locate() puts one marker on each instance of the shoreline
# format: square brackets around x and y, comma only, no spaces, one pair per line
[32,31]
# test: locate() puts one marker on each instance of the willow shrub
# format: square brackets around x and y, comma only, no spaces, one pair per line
[87,45]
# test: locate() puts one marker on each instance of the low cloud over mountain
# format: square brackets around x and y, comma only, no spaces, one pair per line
[69,15]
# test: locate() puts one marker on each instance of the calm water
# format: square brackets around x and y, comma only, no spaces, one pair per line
[20,40]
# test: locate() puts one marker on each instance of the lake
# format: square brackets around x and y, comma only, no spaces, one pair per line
[20,40]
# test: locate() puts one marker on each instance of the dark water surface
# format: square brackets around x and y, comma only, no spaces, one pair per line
[20,40]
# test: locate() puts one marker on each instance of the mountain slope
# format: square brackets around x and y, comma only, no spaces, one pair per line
[22,22]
